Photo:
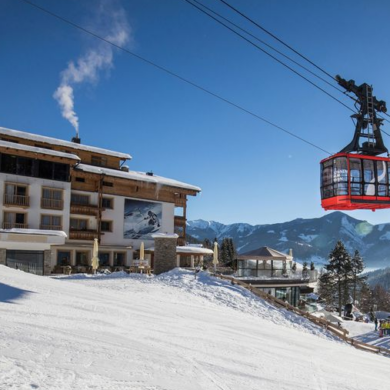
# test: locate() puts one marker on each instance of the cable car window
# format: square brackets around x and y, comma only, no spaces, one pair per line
[326,179]
[369,177]
[340,176]
[381,170]
[355,174]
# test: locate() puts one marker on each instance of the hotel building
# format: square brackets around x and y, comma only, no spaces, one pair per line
[58,196]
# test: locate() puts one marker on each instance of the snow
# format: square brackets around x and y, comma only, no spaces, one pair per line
[164,235]
[34,149]
[140,176]
[56,141]
[171,332]
[271,231]
[189,249]
[307,237]
[57,233]
[385,236]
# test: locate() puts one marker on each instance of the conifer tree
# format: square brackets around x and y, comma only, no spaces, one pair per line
[326,286]
[304,270]
[339,269]
[357,267]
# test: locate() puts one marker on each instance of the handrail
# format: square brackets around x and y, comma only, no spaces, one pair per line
[336,330]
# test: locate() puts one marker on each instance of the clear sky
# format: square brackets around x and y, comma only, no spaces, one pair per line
[248,171]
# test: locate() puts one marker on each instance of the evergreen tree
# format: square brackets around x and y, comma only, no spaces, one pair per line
[312,267]
[357,267]
[294,267]
[304,270]
[339,269]
[366,301]
[207,244]
[326,286]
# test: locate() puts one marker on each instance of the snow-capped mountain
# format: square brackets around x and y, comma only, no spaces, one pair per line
[310,239]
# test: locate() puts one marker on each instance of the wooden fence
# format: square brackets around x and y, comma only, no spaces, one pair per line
[335,329]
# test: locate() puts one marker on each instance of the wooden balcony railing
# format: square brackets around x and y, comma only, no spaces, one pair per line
[53,204]
[180,202]
[50,227]
[12,225]
[83,209]
[83,234]
[179,221]
[16,200]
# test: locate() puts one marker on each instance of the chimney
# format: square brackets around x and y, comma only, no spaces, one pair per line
[76,140]
[290,253]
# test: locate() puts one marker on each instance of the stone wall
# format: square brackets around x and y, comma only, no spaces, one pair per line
[2,256]
[164,254]
[47,262]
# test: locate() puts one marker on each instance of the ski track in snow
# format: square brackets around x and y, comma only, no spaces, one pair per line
[167,332]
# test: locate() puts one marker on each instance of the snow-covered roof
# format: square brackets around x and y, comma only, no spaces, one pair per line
[57,142]
[140,176]
[34,149]
[188,249]
[57,233]
[164,235]
[266,253]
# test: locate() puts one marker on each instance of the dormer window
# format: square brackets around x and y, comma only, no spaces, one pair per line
[99,161]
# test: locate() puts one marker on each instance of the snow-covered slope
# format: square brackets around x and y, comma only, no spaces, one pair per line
[167,332]
[310,239]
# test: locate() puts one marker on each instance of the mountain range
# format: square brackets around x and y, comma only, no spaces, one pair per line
[310,239]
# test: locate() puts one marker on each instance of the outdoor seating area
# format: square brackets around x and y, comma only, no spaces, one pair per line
[81,269]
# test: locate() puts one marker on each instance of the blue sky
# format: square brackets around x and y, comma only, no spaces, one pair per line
[248,171]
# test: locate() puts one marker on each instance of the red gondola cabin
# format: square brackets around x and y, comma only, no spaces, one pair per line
[355,181]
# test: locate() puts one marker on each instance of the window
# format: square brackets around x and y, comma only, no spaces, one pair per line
[369,177]
[24,166]
[63,258]
[8,163]
[106,226]
[52,199]
[78,224]
[79,179]
[340,176]
[104,259]
[79,199]
[381,170]
[99,161]
[108,184]
[119,259]
[51,222]
[16,194]
[34,168]
[15,220]
[82,259]
[355,175]
[108,203]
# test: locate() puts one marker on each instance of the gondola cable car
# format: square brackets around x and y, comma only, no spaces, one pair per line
[357,177]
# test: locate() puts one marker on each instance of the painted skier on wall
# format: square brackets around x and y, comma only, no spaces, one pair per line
[141,219]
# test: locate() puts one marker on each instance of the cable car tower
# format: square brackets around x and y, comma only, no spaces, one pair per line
[356,178]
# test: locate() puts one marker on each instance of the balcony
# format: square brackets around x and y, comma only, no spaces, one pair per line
[52,204]
[180,202]
[83,234]
[179,221]
[12,225]
[50,227]
[16,200]
[84,209]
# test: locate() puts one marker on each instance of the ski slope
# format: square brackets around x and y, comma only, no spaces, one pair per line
[170,332]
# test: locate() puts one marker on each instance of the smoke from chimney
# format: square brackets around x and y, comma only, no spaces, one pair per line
[87,67]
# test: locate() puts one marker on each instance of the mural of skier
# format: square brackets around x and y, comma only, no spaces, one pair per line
[141,219]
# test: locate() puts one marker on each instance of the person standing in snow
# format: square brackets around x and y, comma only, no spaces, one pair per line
[376,324]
